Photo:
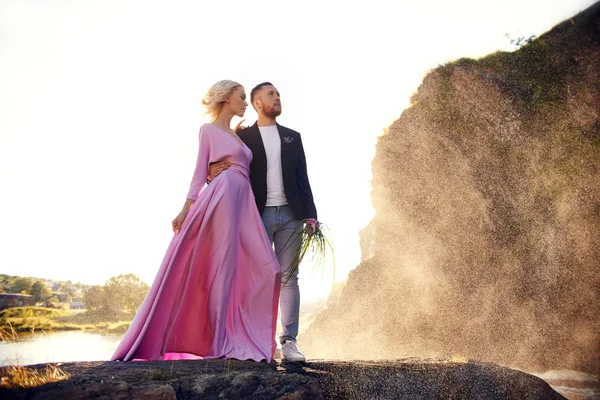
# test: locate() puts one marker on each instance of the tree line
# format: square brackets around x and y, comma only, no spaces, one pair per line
[120,294]
[37,289]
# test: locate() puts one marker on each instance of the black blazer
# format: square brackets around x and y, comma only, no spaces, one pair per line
[293,165]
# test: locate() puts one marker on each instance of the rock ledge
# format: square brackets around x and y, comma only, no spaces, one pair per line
[317,379]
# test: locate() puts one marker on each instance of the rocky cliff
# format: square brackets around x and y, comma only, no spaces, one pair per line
[487,231]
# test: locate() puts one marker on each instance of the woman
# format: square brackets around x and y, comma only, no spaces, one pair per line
[217,290]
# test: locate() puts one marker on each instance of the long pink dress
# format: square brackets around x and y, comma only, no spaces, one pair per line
[217,290]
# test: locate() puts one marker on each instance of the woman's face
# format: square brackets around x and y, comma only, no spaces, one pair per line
[237,101]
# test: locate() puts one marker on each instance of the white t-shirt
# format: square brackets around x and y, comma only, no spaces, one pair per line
[272,143]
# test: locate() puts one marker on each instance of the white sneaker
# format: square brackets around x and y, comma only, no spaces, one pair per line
[290,352]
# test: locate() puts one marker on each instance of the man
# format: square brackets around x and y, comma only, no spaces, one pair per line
[283,196]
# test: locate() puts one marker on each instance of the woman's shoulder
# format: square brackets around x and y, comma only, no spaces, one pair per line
[207,129]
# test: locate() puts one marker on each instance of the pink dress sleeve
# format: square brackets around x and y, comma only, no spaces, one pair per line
[201,171]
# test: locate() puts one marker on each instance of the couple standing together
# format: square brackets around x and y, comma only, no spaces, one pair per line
[217,291]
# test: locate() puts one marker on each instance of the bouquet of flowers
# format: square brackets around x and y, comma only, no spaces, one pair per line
[315,242]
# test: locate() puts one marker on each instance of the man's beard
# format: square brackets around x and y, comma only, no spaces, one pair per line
[272,112]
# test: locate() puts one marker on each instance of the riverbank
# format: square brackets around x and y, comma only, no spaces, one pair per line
[24,320]
[19,320]
[317,379]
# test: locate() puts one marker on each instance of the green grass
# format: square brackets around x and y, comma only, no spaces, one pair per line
[31,319]
[28,312]
[535,70]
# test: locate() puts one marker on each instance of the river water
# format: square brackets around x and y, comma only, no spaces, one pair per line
[79,346]
[58,346]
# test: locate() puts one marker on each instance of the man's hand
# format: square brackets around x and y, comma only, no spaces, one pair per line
[239,126]
[216,168]
[311,225]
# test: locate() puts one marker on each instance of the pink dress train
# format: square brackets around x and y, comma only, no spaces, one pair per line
[217,290]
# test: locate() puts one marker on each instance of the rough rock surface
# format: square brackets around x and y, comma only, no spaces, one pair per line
[230,379]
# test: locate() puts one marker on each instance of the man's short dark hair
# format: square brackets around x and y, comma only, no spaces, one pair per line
[256,89]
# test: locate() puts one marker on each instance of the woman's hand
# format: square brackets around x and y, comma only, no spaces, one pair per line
[178,221]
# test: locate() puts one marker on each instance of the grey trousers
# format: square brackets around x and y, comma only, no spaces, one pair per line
[284,231]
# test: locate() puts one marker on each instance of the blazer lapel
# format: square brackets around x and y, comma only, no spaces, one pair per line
[285,150]
[257,146]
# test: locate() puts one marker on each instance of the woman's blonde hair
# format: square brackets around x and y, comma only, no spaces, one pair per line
[215,97]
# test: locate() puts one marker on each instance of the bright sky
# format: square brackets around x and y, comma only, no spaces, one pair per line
[99,110]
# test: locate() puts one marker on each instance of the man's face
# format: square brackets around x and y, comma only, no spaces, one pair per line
[268,101]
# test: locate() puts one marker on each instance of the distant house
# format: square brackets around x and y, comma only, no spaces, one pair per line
[15,300]
[63,297]
[76,305]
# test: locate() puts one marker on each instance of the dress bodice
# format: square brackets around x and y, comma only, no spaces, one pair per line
[217,145]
